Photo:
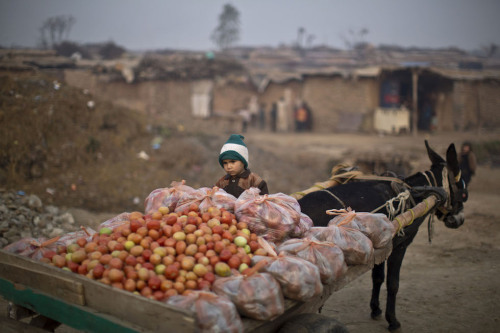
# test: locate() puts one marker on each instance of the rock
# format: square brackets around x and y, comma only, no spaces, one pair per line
[3,242]
[26,234]
[56,232]
[65,218]
[34,202]
[36,220]
[11,233]
[4,226]
[52,210]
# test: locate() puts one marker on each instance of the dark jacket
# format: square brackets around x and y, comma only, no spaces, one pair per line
[238,184]
[468,165]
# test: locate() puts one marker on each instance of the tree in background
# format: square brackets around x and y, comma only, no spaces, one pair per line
[228,30]
[68,49]
[111,51]
[55,29]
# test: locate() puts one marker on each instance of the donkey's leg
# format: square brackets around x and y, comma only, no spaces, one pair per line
[378,275]
[393,268]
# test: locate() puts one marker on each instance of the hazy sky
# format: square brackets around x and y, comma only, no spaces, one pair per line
[187,24]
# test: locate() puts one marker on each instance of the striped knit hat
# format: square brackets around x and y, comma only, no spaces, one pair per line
[234,149]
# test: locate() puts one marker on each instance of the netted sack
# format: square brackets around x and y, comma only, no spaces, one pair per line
[257,296]
[302,227]
[117,221]
[34,248]
[72,237]
[299,279]
[272,216]
[357,248]
[328,257]
[205,198]
[214,313]
[375,226]
[166,197]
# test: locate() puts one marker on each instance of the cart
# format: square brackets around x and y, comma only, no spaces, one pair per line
[91,306]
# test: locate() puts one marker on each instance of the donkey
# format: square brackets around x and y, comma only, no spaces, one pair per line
[366,196]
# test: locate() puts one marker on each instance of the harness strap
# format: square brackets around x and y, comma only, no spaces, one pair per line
[374,177]
[427,178]
[336,198]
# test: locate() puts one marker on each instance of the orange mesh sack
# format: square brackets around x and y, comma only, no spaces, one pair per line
[299,279]
[34,248]
[377,227]
[328,257]
[205,198]
[275,217]
[257,296]
[214,313]
[166,197]
[357,248]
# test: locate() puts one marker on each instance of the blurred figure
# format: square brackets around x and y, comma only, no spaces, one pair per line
[245,119]
[253,109]
[282,123]
[309,122]
[301,118]
[274,115]
[467,160]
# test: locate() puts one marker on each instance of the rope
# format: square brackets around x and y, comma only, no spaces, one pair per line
[336,198]
[426,177]
[401,198]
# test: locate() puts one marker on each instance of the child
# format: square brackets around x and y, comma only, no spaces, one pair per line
[233,158]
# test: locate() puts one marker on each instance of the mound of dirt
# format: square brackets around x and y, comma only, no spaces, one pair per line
[68,148]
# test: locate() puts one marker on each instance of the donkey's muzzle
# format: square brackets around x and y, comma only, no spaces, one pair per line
[454,221]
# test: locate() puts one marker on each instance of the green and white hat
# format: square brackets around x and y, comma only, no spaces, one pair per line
[234,149]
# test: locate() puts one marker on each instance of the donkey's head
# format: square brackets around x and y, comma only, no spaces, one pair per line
[447,174]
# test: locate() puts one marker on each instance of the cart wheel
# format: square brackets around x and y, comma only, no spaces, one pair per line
[45,323]
[313,323]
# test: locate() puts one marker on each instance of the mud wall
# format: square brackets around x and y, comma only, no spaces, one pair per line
[340,104]
[476,104]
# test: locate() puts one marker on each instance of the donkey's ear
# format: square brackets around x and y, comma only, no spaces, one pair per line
[433,156]
[452,159]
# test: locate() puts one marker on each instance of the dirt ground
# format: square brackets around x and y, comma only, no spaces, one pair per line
[450,285]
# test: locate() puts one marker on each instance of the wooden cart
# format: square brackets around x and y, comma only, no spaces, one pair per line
[91,306]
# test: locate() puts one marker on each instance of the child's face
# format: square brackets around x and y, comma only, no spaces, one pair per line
[233,167]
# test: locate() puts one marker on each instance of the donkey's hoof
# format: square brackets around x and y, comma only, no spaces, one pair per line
[395,327]
[376,314]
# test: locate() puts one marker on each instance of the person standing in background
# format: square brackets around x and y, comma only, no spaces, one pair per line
[274,115]
[282,123]
[468,163]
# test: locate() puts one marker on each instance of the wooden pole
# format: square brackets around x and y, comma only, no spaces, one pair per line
[407,218]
